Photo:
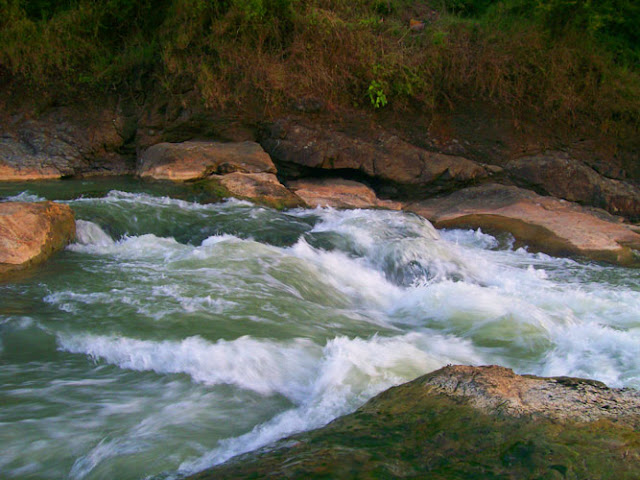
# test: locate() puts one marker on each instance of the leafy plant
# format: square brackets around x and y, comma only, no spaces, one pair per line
[376,94]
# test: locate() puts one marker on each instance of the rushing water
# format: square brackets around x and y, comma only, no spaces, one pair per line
[173,335]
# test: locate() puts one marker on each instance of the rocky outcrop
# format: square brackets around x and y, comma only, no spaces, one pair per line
[338,193]
[188,161]
[558,175]
[261,188]
[544,223]
[498,390]
[383,156]
[63,143]
[31,232]
[235,169]
[465,422]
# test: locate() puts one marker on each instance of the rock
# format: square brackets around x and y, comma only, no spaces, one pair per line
[338,193]
[547,224]
[262,188]
[62,143]
[31,232]
[498,389]
[465,422]
[198,160]
[384,156]
[556,174]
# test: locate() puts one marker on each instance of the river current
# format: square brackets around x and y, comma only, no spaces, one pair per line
[174,334]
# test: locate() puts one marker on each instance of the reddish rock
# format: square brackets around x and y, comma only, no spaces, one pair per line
[31,232]
[544,223]
[338,193]
[198,160]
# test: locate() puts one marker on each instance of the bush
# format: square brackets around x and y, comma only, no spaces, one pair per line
[573,62]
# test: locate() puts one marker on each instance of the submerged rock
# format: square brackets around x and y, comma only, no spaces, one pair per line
[198,160]
[465,422]
[338,193]
[31,232]
[547,224]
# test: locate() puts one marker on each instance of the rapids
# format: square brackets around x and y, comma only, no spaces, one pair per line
[175,334]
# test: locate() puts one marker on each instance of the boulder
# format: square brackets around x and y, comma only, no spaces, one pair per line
[546,224]
[556,174]
[382,156]
[338,193]
[465,422]
[62,143]
[198,160]
[31,232]
[261,188]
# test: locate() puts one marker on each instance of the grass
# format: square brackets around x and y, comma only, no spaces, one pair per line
[564,62]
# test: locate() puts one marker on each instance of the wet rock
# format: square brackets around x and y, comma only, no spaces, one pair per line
[556,174]
[63,143]
[547,224]
[338,193]
[198,160]
[382,156]
[465,422]
[261,188]
[31,232]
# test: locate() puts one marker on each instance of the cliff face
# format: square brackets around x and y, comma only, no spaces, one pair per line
[465,422]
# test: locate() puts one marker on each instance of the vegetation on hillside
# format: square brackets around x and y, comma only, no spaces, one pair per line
[576,62]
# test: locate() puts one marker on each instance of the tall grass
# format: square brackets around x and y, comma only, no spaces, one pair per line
[534,58]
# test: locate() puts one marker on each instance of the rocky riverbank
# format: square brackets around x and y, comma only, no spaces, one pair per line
[548,200]
[465,422]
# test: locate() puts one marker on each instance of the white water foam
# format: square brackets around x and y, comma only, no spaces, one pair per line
[89,233]
[351,371]
[120,197]
[264,367]
[452,297]
[593,350]
[322,381]
[24,197]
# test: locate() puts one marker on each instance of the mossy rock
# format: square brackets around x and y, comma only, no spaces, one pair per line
[430,428]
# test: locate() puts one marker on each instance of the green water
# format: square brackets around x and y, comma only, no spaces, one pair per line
[175,334]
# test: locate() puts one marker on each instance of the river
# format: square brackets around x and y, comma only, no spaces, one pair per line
[175,334]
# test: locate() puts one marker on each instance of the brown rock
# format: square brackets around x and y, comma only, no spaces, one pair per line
[556,174]
[546,224]
[198,160]
[31,232]
[62,143]
[338,193]
[383,156]
[262,188]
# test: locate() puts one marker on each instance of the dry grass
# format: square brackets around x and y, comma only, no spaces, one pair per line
[243,54]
